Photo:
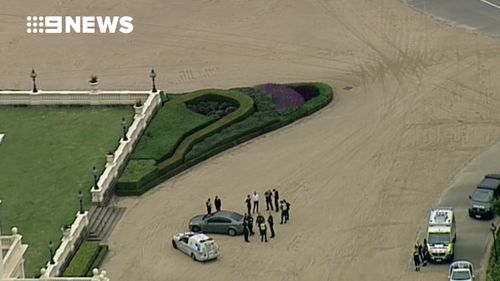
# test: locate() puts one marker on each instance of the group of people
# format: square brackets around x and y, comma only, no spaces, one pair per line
[420,255]
[217,203]
[252,206]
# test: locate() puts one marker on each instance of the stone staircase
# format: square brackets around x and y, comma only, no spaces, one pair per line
[102,221]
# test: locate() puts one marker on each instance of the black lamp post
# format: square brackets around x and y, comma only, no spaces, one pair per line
[493,229]
[33,76]
[152,75]
[94,173]
[51,250]
[124,126]
[80,198]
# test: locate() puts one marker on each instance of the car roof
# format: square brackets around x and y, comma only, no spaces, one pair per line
[489,183]
[225,214]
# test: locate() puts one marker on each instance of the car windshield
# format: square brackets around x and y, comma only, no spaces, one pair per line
[460,275]
[438,238]
[482,195]
[236,216]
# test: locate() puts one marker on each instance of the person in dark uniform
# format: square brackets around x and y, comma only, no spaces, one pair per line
[248,201]
[276,200]
[269,200]
[245,228]
[287,213]
[250,224]
[209,207]
[416,259]
[260,219]
[283,211]
[419,250]
[270,220]
[263,232]
[425,253]
[218,203]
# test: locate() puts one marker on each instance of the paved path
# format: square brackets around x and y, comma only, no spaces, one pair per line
[473,236]
[478,15]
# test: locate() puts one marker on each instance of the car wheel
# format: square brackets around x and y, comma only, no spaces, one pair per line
[193,256]
[231,232]
[174,245]
[195,228]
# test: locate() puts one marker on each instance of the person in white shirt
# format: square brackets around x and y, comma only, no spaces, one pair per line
[255,200]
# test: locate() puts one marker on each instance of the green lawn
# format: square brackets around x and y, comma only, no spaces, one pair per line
[46,157]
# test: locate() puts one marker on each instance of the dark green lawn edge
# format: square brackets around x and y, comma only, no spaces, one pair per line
[88,256]
[311,106]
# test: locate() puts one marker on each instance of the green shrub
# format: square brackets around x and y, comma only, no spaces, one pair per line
[103,251]
[171,124]
[83,260]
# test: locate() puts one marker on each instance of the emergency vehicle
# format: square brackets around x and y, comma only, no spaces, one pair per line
[198,246]
[441,234]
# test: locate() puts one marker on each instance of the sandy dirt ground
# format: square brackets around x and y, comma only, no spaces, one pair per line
[361,174]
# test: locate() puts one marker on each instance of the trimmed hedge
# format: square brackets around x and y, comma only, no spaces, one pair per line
[88,256]
[132,183]
[264,119]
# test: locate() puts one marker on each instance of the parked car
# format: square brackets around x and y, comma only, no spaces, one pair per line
[480,201]
[461,271]
[198,246]
[224,222]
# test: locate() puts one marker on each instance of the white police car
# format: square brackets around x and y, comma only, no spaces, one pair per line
[198,246]
[461,271]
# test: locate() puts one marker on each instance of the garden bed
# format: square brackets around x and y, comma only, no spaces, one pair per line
[221,135]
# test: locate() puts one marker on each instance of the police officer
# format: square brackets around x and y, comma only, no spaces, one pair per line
[287,213]
[276,199]
[425,253]
[416,258]
[283,211]
[260,219]
[270,220]
[245,228]
[263,232]
[248,201]
[209,207]
[269,200]
[218,203]
[250,224]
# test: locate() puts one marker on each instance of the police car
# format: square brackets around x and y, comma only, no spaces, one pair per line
[198,246]
[461,271]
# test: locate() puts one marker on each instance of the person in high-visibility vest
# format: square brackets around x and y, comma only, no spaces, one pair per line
[263,232]
[283,208]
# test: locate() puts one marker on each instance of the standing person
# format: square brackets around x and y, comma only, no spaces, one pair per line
[248,201]
[416,259]
[250,224]
[287,214]
[419,250]
[276,199]
[263,232]
[260,219]
[245,228]
[255,200]
[270,220]
[269,200]
[425,253]
[218,203]
[209,207]
[283,211]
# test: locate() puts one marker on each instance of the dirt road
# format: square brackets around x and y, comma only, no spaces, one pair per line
[361,174]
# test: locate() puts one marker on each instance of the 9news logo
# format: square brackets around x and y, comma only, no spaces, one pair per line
[79,24]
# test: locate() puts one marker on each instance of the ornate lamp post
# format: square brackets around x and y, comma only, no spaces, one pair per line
[124,127]
[94,173]
[493,229]
[80,198]
[51,250]
[152,75]
[33,76]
